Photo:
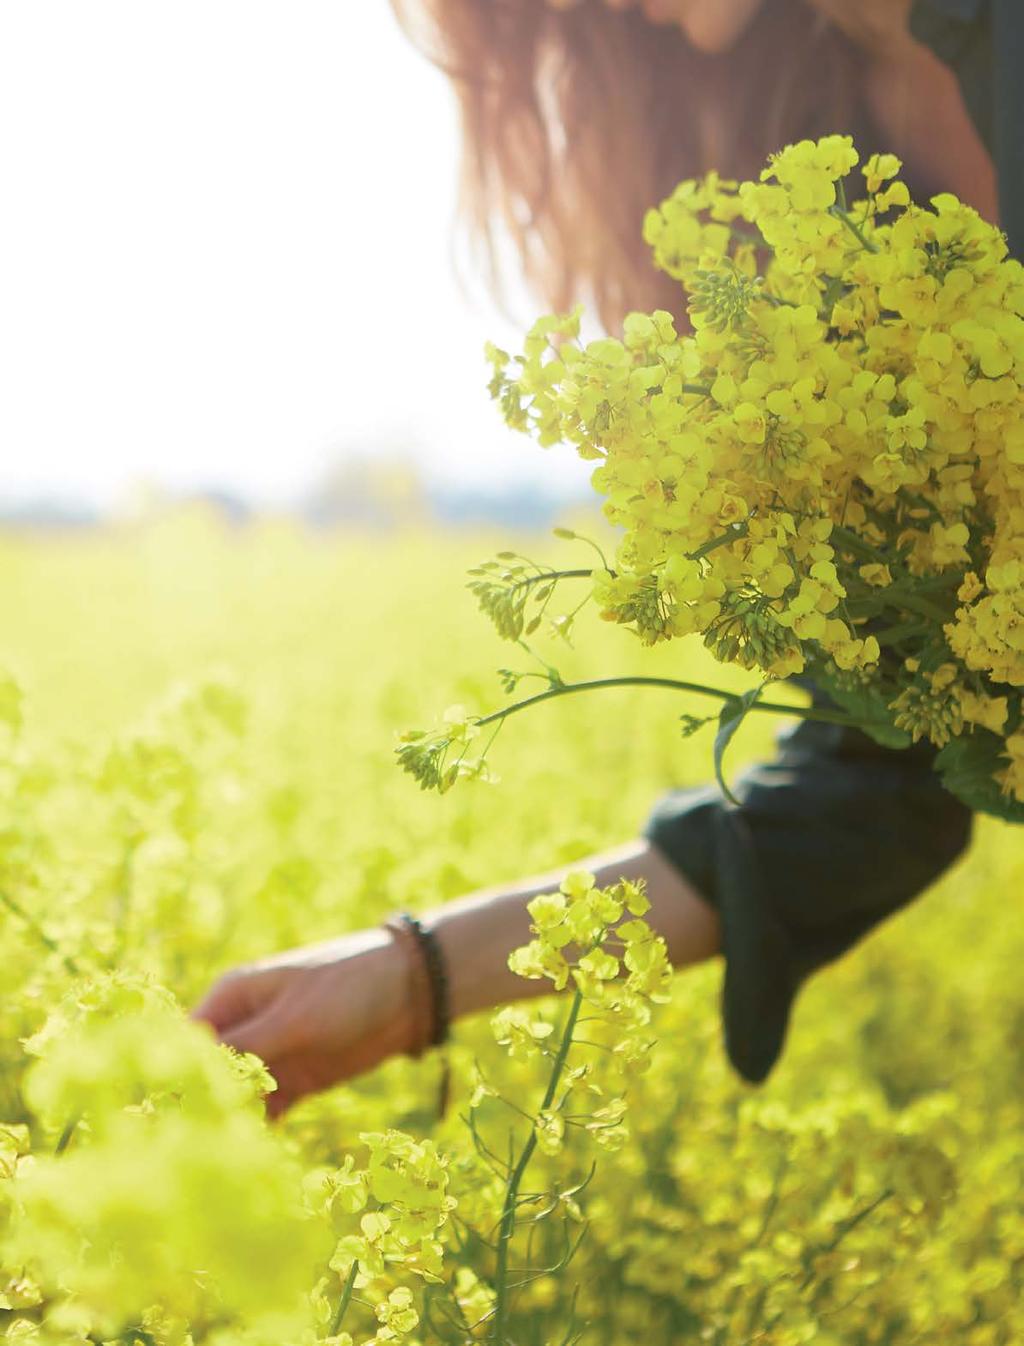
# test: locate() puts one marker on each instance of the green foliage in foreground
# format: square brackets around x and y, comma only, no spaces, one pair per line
[201,771]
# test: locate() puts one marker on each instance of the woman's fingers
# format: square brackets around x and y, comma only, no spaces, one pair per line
[316,1015]
[263,1034]
[227,1001]
[239,995]
[246,1010]
[295,1079]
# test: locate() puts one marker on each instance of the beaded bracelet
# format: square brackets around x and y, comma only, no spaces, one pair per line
[431,1015]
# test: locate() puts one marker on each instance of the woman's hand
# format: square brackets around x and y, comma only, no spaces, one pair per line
[316,1015]
[321,1014]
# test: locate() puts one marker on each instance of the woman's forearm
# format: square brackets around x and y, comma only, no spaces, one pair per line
[478,932]
[329,1011]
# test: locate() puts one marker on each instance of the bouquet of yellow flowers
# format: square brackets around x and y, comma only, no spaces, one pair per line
[824,477]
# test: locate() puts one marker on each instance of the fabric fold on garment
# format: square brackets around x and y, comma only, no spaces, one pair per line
[828,838]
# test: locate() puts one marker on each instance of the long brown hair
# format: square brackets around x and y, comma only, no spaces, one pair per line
[575,122]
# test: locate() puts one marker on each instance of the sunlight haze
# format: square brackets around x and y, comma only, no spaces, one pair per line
[225,254]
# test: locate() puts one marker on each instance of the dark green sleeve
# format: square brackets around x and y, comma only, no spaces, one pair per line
[830,837]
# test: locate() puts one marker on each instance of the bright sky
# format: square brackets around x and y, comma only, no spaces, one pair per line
[224,252]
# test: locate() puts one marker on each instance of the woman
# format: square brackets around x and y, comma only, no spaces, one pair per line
[577,117]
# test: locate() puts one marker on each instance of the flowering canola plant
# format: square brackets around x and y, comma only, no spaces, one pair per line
[825,476]
[601,1175]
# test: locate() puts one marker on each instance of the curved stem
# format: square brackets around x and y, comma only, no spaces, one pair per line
[895,635]
[918,605]
[852,541]
[39,933]
[674,684]
[731,534]
[548,576]
[922,607]
[895,596]
[854,228]
[346,1298]
[508,1214]
[66,1134]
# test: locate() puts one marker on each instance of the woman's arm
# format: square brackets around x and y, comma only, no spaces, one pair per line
[477,933]
[326,1012]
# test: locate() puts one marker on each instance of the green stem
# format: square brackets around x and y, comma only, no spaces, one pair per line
[65,1136]
[508,1214]
[346,1298]
[895,597]
[829,299]
[851,541]
[730,535]
[550,576]
[39,932]
[904,631]
[842,1229]
[947,581]
[675,684]
[853,227]
[919,502]
[922,607]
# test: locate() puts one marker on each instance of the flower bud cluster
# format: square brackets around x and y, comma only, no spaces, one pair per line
[811,475]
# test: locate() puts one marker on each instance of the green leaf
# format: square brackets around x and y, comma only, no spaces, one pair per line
[869,706]
[966,765]
[732,715]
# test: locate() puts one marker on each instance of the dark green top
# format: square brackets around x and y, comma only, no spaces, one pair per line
[831,836]
[836,833]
